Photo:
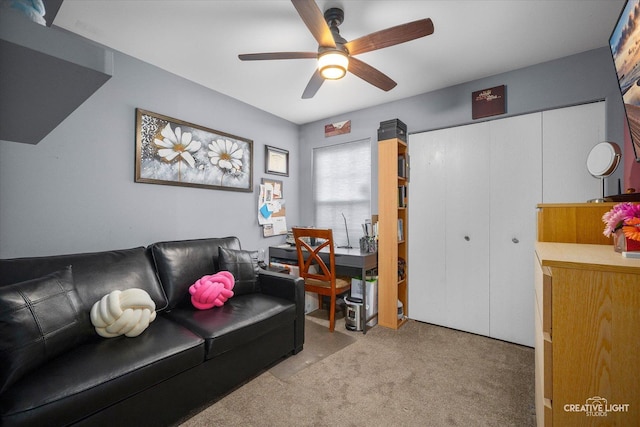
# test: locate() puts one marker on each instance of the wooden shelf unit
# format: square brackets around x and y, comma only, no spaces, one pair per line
[391,287]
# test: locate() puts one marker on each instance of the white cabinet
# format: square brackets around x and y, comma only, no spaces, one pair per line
[474,191]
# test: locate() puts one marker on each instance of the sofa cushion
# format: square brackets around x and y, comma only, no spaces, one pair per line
[241,320]
[180,263]
[212,290]
[127,312]
[244,267]
[100,373]
[94,274]
[39,319]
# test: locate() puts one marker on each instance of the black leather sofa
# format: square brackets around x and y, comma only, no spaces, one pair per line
[68,375]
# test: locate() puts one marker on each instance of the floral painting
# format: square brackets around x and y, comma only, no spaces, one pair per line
[173,152]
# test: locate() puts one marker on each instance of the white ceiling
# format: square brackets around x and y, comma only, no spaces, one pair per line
[201,39]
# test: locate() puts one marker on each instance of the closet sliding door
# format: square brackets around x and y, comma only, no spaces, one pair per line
[449,213]
[516,189]
[474,191]
[466,207]
[428,215]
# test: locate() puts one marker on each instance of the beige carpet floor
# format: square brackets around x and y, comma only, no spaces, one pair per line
[419,375]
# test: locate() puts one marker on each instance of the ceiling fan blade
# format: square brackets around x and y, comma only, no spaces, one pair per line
[369,74]
[277,55]
[314,20]
[313,85]
[391,36]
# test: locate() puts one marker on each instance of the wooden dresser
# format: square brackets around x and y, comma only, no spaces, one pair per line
[587,353]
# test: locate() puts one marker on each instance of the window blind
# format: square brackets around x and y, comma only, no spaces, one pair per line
[342,186]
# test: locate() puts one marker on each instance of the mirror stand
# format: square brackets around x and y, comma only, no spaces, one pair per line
[602,161]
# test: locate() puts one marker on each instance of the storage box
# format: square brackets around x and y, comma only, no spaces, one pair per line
[310,302]
[392,129]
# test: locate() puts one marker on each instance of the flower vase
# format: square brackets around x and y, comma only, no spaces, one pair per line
[621,243]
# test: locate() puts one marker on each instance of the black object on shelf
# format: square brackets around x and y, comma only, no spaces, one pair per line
[392,129]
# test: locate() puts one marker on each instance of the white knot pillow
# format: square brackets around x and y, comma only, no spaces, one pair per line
[126,312]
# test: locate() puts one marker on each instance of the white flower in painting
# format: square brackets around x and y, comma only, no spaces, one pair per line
[176,144]
[226,155]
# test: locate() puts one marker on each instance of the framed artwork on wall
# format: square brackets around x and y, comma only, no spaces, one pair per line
[276,161]
[175,152]
[488,102]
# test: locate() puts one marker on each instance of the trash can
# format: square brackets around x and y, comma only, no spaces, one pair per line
[352,319]
[357,291]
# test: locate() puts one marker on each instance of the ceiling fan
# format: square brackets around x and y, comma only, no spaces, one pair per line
[335,55]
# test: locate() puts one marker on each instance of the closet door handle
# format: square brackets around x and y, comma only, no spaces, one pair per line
[515,240]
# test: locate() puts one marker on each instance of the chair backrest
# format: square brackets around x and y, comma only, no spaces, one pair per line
[309,255]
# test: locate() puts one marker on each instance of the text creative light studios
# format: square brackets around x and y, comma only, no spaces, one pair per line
[596,407]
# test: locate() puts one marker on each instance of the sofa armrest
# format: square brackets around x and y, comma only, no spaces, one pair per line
[290,288]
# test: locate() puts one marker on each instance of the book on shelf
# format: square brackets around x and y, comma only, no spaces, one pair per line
[402,266]
[400,230]
[403,166]
[402,196]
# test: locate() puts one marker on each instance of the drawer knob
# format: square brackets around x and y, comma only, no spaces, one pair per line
[515,240]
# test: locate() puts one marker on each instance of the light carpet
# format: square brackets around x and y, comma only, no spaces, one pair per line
[419,375]
[319,343]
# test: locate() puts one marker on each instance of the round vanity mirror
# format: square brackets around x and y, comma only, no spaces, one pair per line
[602,161]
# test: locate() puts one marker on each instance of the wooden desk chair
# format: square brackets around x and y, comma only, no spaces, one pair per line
[320,279]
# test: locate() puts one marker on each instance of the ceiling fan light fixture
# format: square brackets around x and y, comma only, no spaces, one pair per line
[333,64]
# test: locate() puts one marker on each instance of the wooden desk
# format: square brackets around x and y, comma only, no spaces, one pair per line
[351,259]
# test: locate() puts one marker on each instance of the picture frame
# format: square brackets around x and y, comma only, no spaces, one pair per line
[488,102]
[276,161]
[175,152]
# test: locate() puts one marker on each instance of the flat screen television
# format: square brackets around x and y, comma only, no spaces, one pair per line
[625,50]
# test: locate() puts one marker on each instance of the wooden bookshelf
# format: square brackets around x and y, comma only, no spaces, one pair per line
[393,175]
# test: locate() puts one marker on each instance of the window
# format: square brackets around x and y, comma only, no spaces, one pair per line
[342,186]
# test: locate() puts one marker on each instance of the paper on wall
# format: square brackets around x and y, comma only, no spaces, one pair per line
[279,225]
[271,210]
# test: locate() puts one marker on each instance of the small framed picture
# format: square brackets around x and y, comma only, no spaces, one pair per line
[276,161]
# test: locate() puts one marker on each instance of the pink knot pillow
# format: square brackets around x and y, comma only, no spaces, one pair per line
[212,291]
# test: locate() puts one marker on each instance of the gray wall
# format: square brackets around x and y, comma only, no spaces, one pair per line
[74,191]
[586,77]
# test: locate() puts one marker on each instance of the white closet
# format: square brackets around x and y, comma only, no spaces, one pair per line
[474,191]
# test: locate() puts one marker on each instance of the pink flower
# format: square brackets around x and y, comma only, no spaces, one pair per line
[619,216]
